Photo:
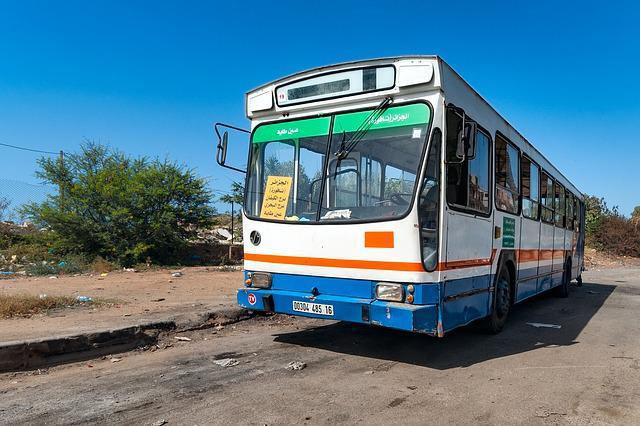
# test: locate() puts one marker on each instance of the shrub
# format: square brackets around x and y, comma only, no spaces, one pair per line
[121,208]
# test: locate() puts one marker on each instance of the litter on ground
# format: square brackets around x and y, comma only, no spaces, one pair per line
[543,325]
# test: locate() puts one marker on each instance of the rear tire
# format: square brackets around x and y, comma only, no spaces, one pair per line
[495,322]
[563,289]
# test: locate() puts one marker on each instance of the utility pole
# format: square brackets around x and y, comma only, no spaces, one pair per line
[60,188]
[231,246]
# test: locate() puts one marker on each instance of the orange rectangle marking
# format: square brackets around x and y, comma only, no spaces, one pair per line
[378,239]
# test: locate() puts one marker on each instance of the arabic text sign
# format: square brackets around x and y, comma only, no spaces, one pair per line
[276,197]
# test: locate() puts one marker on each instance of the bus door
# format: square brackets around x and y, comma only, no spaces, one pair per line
[469,226]
[545,263]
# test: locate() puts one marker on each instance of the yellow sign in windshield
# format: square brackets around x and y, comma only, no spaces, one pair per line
[276,197]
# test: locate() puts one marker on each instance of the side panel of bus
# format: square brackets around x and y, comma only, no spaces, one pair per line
[546,256]
[528,259]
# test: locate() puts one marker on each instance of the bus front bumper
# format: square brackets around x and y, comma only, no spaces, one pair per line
[402,316]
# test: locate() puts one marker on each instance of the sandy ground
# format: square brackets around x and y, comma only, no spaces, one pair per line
[140,296]
[586,372]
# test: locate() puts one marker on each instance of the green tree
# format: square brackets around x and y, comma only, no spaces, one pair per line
[4,207]
[236,196]
[122,208]
[635,216]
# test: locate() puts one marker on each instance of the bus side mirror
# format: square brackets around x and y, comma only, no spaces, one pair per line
[222,149]
[470,136]
[223,141]
[466,146]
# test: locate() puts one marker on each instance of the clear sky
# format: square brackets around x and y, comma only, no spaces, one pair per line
[151,77]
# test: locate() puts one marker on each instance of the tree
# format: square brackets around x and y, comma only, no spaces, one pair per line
[236,196]
[635,216]
[122,208]
[4,207]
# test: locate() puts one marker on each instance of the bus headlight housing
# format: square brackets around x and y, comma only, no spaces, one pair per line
[261,280]
[389,291]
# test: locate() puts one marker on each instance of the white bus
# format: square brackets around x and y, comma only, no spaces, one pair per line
[389,192]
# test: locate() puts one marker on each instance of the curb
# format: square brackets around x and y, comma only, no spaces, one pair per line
[31,354]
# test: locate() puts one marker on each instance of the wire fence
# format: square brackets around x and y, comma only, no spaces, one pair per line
[15,194]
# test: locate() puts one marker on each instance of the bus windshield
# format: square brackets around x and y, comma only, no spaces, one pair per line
[290,177]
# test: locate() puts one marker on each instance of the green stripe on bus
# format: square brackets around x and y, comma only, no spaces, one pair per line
[408,115]
[292,130]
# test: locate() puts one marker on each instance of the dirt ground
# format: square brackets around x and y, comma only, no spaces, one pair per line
[585,372]
[137,297]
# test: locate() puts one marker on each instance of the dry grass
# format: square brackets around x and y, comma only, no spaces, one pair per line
[25,305]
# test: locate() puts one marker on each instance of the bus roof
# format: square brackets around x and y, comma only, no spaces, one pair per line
[445,68]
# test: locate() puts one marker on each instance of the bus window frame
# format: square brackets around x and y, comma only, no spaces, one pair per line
[522,197]
[441,195]
[543,207]
[458,207]
[559,186]
[518,211]
[420,170]
[568,194]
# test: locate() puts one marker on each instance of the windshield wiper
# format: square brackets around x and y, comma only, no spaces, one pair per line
[347,146]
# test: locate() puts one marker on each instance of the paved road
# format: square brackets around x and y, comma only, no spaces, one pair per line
[587,372]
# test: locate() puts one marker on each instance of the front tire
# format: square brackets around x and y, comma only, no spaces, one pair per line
[501,302]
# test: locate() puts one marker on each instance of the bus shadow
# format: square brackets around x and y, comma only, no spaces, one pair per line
[468,345]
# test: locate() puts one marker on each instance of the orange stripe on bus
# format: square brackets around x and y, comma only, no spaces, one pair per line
[530,255]
[468,263]
[335,263]
[378,239]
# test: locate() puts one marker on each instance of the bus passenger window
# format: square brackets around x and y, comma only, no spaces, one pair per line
[560,205]
[429,204]
[530,181]
[507,173]
[570,222]
[547,193]
[468,180]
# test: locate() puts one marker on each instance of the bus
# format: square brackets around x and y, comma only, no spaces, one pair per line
[389,192]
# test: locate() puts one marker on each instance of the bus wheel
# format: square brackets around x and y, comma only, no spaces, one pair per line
[501,302]
[563,289]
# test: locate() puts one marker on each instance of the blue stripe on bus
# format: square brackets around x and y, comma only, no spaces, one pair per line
[463,300]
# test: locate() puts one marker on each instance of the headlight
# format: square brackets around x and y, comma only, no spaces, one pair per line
[390,292]
[261,280]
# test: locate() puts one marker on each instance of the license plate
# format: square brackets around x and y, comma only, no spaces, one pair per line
[313,308]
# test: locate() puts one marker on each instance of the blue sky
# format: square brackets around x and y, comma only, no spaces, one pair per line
[151,77]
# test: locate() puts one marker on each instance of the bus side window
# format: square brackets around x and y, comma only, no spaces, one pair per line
[546,193]
[530,182]
[570,203]
[507,174]
[560,205]
[467,181]
[430,203]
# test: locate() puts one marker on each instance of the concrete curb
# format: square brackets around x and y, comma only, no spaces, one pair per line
[30,354]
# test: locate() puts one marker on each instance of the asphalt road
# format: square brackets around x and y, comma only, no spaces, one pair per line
[586,372]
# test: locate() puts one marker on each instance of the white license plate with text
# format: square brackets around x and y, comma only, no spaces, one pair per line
[313,308]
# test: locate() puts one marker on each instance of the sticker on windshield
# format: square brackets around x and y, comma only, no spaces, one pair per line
[276,197]
[338,214]
[417,133]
